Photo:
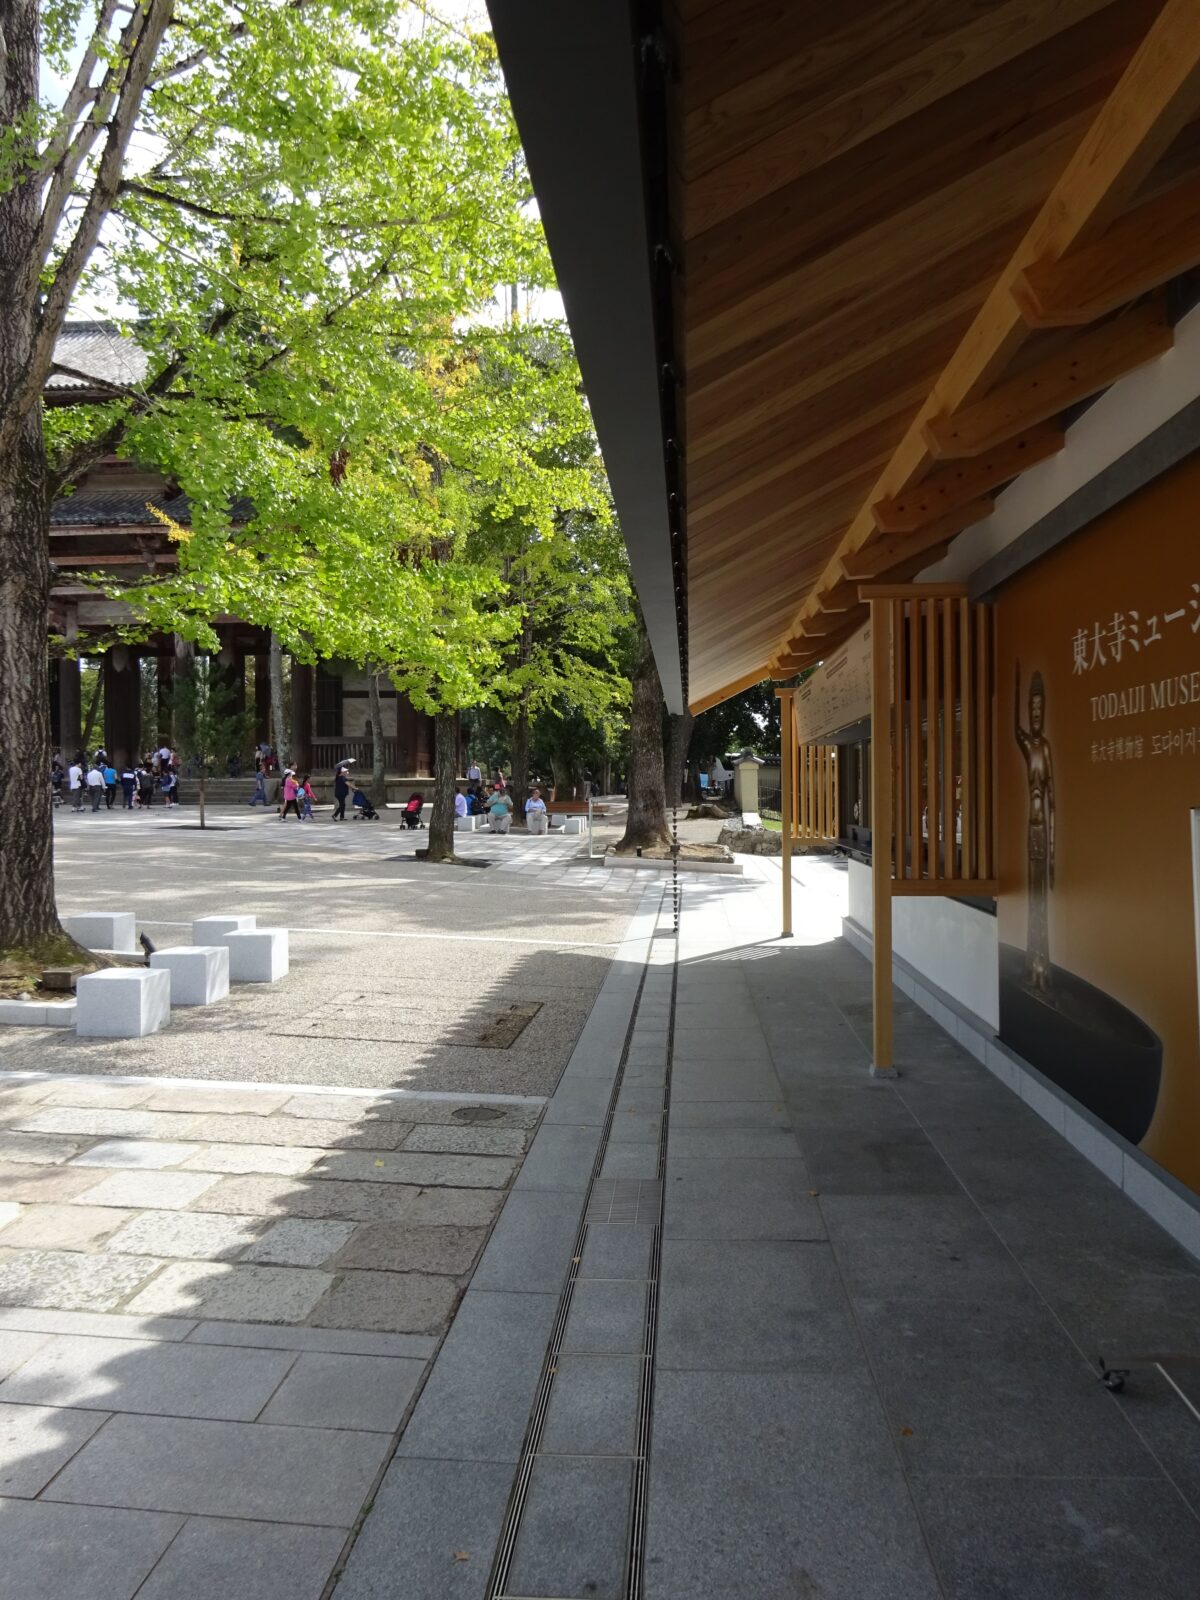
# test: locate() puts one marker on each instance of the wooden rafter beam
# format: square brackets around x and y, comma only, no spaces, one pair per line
[1143,250]
[880,554]
[1090,363]
[1154,99]
[965,482]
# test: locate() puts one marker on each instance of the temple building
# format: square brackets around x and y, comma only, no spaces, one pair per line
[105,527]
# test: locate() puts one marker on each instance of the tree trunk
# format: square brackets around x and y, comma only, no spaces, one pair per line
[202,767]
[647,819]
[93,707]
[28,919]
[279,736]
[378,754]
[678,739]
[519,776]
[441,820]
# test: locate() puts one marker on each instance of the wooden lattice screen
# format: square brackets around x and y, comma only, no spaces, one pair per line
[933,731]
[814,794]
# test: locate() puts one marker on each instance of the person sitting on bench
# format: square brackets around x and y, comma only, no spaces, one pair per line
[536,819]
[499,810]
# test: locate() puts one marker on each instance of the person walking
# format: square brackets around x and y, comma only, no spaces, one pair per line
[499,810]
[290,802]
[110,784]
[306,797]
[95,783]
[536,818]
[145,787]
[168,783]
[75,784]
[128,785]
[341,793]
[259,797]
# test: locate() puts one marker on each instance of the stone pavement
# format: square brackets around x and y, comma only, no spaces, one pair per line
[828,1337]
[747,1324]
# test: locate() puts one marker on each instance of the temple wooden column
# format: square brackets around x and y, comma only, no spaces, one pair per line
[70,707]
[164,699]
[122,705]
[302,716]
[262,699]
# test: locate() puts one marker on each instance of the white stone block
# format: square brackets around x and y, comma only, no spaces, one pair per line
[212,930]
[576,824]
[258,955]
[60,1013]
[22,1014]
[122,1003]
[104,930]
[199,973]
[469,824]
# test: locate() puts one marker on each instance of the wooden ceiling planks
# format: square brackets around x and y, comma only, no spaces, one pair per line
[848,185]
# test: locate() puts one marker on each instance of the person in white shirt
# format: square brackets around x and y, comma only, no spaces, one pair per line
[95,783]
[460,803]
[473,773]
[75,784]
[536,818]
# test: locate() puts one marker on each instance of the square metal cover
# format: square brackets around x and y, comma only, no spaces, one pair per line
[432,1020]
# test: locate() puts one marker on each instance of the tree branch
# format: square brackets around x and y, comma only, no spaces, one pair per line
[82,91]
[207,53]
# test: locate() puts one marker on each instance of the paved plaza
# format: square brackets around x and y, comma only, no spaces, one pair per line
[665,1296]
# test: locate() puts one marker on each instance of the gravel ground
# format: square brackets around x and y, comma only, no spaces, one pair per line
[395,966]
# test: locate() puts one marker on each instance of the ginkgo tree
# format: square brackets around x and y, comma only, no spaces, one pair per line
[290,206]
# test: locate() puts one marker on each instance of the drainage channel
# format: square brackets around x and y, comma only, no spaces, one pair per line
[642,1087]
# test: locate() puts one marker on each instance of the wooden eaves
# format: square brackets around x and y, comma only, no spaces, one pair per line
[1084,265]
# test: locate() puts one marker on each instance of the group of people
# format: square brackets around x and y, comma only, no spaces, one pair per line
[99,781]
[497,805]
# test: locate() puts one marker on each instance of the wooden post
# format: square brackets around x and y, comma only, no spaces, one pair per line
[886,621]
[786,778]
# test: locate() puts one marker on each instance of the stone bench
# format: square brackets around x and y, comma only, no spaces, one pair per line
[212,930]
[257,955]
[199,973]
[468,824]
[104,930]
[38,1014]
[575,824]
[122,1003]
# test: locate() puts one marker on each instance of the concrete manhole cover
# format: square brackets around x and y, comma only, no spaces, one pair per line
[371,1018]
[476,1114]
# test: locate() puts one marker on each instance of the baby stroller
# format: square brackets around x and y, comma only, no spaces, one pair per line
[366,811]
[412,811]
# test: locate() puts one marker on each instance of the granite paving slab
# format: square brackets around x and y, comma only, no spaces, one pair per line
[35,1442]
[41,1185]
[731,1197]
[395,1247]
[157,1191]
[472,1141]
[435,1521]
[1107,1538]
[176,1380]
[451,1171]
[132,1153]
[344,1391]
[297,1242]
[475,1404]
[390,1302]
[315,1476]
[71,1281]
[42,1543]
[64,1227]
[16,1347]
[284,1197]
[38,1149]
[607,1317]
[214,1558]
[530,1246]
[240,1293]
[193,1235]
[593,1409]
[284,1160]
[574,1530]
[617,1250]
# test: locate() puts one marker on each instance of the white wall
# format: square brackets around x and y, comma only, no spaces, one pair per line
[953,945]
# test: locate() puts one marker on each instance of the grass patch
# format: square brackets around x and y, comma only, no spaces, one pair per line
[21,968]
